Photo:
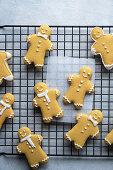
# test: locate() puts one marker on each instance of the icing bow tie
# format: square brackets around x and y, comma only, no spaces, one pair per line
[95,123]
[29,141]
[44,94]
[43,36]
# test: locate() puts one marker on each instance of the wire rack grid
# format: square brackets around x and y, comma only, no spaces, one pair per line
[72,41]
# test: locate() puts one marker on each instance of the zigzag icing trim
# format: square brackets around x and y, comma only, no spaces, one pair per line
[35,102]
[70,78]
[57,93]
[68,137]
[79,116]
[107,141]
[66,99]
[50,47]
[45,159]
[59,114]
[11,115]
[91,89]
[95,134]
[27,60]
[39,65]
[19,151]
[78,104]
[108,67]
[34,165]
[28,38]
[77,145]
[39,139]
[48,118]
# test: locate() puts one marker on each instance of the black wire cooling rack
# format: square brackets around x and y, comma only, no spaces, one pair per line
[72,41]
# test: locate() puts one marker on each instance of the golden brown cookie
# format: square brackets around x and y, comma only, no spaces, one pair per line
[6,110]
[103,45]
[5,72]
[46,100]
[87,125]
[30,146]
[109,138]
[79,86]
[39,44]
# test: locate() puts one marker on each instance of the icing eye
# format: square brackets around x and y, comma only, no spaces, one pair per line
[99,117]
[98,31]
[84,71]
[6,97]
[46,29]
[42,28]
[95,113]
[23,130]
[10,99]
[94,33]
[20,133]
[88,74]
[37,88]
[41,85]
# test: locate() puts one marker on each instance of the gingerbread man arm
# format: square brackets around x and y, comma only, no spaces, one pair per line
[35,102]
[51,47]
[109,138]
[79,115]
[95,133]
[71,78]
[55,92]
[90,88]
[29,38]
[20,149]
[10,113]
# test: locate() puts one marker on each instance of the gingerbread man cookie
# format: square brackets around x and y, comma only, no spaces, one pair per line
[5,72]
[103,45]
[79,86]
[109,138]
[30,146]
[46,100]
[6,110]
[86,126]
[39,44]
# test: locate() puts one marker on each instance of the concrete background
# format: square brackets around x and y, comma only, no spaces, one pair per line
[54,12]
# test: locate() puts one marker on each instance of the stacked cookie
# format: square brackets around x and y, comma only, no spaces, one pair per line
[46,99]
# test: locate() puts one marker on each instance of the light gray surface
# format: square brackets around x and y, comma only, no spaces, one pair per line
[54,12]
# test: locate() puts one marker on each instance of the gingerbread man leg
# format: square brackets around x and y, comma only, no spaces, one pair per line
[28,59]
[78,103]
[39,61]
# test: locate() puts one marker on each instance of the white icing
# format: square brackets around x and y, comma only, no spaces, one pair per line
[19,151]
[82,131]
[57,93]
[45,159]
[77,145]
[48,108]
[29,140]
[34,166]
[8,55]
[71,77]
[44,94]
[5,106]
[78,104]
[79,116]
[48,118]
[107,141]
[27,60]
[11,115]
[35,102]
[77,90]
[66,99]
[43,36]
[84,76]
[39,65]
[68,137]
[90,90]
[39,139]
[59,114]
[29,37]
[95,133]
[95,123]
[9,78]
[50,47]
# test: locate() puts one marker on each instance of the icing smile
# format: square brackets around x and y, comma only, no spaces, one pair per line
[6,101]
[84,76]
[43,32]
[23,135]
[40,90]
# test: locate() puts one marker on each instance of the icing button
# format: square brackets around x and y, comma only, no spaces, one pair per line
[39,42]
[79,85]
[29,147]
[32,151]
[81,82]
[107,51]
[44,100]
[27,143]
[46,104]
[37,50]
[85,128]
[38,46]
[103,44]
[88,125]
[105,47]
[48,108]
[82,131]
[77,90]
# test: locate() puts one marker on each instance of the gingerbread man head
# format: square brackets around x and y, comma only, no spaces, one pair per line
[8,98]
[45,30]
[23,132]
[86,72]
[96,33]
[96,116]
[40,88]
